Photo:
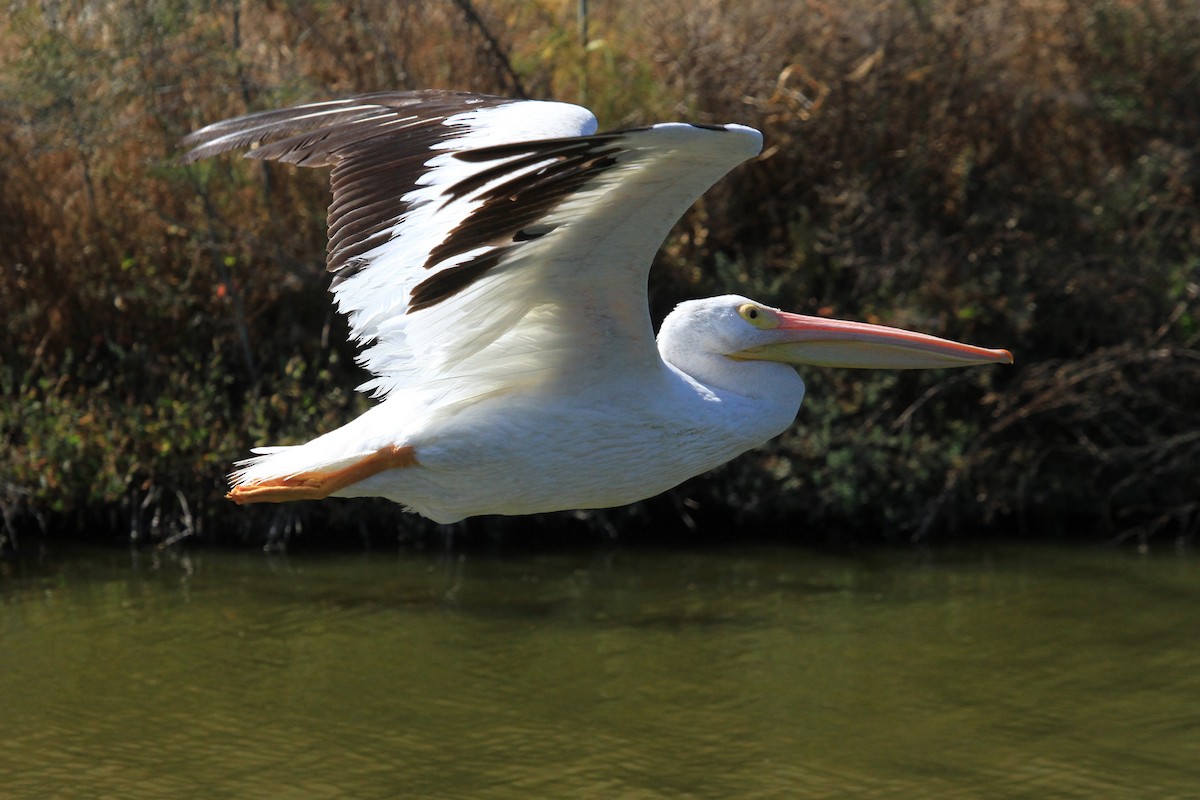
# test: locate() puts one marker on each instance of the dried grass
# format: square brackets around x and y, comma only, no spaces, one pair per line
[1011,173]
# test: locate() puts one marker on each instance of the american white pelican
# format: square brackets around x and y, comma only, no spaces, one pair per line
[492,257]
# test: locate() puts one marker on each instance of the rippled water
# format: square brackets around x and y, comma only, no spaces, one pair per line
[1011,672]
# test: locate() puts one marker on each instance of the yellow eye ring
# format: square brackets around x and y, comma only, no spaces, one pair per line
[762,318]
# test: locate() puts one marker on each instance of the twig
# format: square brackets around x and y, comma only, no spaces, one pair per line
[493,46]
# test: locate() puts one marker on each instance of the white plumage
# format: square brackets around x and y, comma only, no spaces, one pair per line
[492,258]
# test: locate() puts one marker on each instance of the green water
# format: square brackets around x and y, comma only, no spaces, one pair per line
[763,673]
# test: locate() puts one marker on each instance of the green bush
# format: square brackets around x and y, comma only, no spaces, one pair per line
[1022,175]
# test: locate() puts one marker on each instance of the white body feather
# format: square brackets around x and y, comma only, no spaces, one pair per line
[608,443]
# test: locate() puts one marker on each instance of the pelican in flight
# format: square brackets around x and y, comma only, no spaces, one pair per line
[492,257]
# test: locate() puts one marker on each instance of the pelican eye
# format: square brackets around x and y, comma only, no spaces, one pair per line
[759,317]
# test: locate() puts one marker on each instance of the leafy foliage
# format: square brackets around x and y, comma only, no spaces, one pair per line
[1021,174]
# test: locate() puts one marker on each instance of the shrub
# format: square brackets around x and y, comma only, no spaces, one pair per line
[1018,174]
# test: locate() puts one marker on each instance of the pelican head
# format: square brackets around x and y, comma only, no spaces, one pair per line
[700,334]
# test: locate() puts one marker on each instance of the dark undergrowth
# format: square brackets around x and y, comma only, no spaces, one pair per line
[1011,174]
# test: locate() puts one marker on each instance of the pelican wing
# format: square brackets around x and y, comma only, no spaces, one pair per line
[476,242]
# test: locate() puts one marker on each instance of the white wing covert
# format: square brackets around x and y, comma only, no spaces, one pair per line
[477,242]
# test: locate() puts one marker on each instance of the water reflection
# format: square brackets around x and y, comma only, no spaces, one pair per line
[757,673]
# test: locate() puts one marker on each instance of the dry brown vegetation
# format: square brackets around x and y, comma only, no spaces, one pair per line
[1021,174]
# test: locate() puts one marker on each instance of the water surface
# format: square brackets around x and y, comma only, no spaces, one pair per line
[761,673]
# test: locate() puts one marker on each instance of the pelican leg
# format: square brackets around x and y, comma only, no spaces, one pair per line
[317,485]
